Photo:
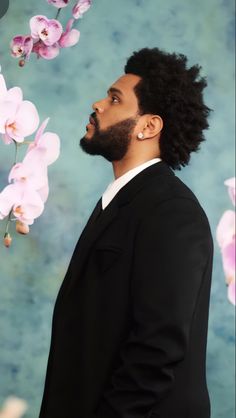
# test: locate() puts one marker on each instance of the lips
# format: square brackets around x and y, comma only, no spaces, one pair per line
[91,120]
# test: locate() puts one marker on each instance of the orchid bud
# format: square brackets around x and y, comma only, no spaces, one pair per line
[7,239]
[22,228]
[21,63]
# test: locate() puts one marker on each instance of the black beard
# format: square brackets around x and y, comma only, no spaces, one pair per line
[111,143]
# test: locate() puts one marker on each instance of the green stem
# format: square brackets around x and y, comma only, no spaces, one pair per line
[16,151]
[58,12]
[26,142]
[8,222]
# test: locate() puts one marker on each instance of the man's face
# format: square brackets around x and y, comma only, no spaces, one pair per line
[112,124]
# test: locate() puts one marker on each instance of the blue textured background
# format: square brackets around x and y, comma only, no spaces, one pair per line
[64,89]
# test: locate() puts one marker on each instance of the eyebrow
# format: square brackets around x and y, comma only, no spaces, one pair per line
[114,90]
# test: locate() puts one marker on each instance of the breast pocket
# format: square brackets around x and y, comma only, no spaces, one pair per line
[107,257]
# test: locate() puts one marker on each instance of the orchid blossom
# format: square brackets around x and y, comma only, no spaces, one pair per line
[45,146]
[21,46]
[47,30]
[18,118]
[70,37]
[225,235]
[80,8]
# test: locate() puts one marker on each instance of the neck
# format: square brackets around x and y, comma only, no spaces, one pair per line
[121,167]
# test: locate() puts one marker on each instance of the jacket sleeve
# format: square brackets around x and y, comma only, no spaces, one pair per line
[171,251]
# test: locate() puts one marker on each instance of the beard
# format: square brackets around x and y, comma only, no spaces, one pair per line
[111,143]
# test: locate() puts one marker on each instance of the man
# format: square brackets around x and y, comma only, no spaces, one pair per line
[130,321]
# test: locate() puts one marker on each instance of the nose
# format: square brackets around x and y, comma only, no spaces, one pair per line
[98,107]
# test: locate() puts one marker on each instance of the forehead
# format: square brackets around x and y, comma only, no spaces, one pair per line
[126,83]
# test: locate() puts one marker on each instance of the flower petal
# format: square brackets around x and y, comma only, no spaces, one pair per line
[7,139]
[3,88]
[59,3]
[50,142]
[40,131]
[29,207]
[7,112]
[43,192]
[226,228]
[228,256]
[37,24]
[48,52]
[52,32]
[24,123]
[80,8]
[14,95]
[231,189]
[69,39]
[9,195]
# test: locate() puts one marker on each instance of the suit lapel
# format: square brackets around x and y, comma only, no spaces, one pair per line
[98,222]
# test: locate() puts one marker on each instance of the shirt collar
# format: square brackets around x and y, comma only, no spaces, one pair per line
[114,187]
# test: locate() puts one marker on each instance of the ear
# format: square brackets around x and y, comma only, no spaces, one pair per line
[153,126]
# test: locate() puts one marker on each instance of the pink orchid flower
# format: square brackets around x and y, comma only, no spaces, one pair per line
[225,235]
[80,8]
[228,256]
[59,3]
[21,46]
[47,30]
[45,147]
[21,122]
[70,37]
[225,231]
[18,118]
[9,101]
[46,52]
[34,172]
[25,203]
[231,189]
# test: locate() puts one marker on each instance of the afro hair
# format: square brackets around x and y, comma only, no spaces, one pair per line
[175,93]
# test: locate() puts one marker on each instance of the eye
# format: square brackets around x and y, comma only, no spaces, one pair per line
[114,99]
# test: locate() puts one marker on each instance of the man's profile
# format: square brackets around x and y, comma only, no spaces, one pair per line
[130,322]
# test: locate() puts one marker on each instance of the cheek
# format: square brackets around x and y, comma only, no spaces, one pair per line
[112,116]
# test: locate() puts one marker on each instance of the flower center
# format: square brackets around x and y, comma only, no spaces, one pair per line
[12,126]
[18,211]
[44,33]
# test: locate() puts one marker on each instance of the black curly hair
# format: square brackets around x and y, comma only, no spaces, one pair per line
[174,92]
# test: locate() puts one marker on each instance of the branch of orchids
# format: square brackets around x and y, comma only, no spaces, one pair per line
[47,37]
[23,199]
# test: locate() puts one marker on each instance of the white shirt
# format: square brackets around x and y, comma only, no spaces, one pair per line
[117,184]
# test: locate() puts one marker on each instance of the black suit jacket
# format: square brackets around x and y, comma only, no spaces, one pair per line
[130,322]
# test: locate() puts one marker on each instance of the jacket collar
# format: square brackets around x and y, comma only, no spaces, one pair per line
[149,174]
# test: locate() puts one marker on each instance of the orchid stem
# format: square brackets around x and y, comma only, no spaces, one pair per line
[16,151]
[8,222]
[58,12]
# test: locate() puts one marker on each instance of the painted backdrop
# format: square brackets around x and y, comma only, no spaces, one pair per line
[32,270]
